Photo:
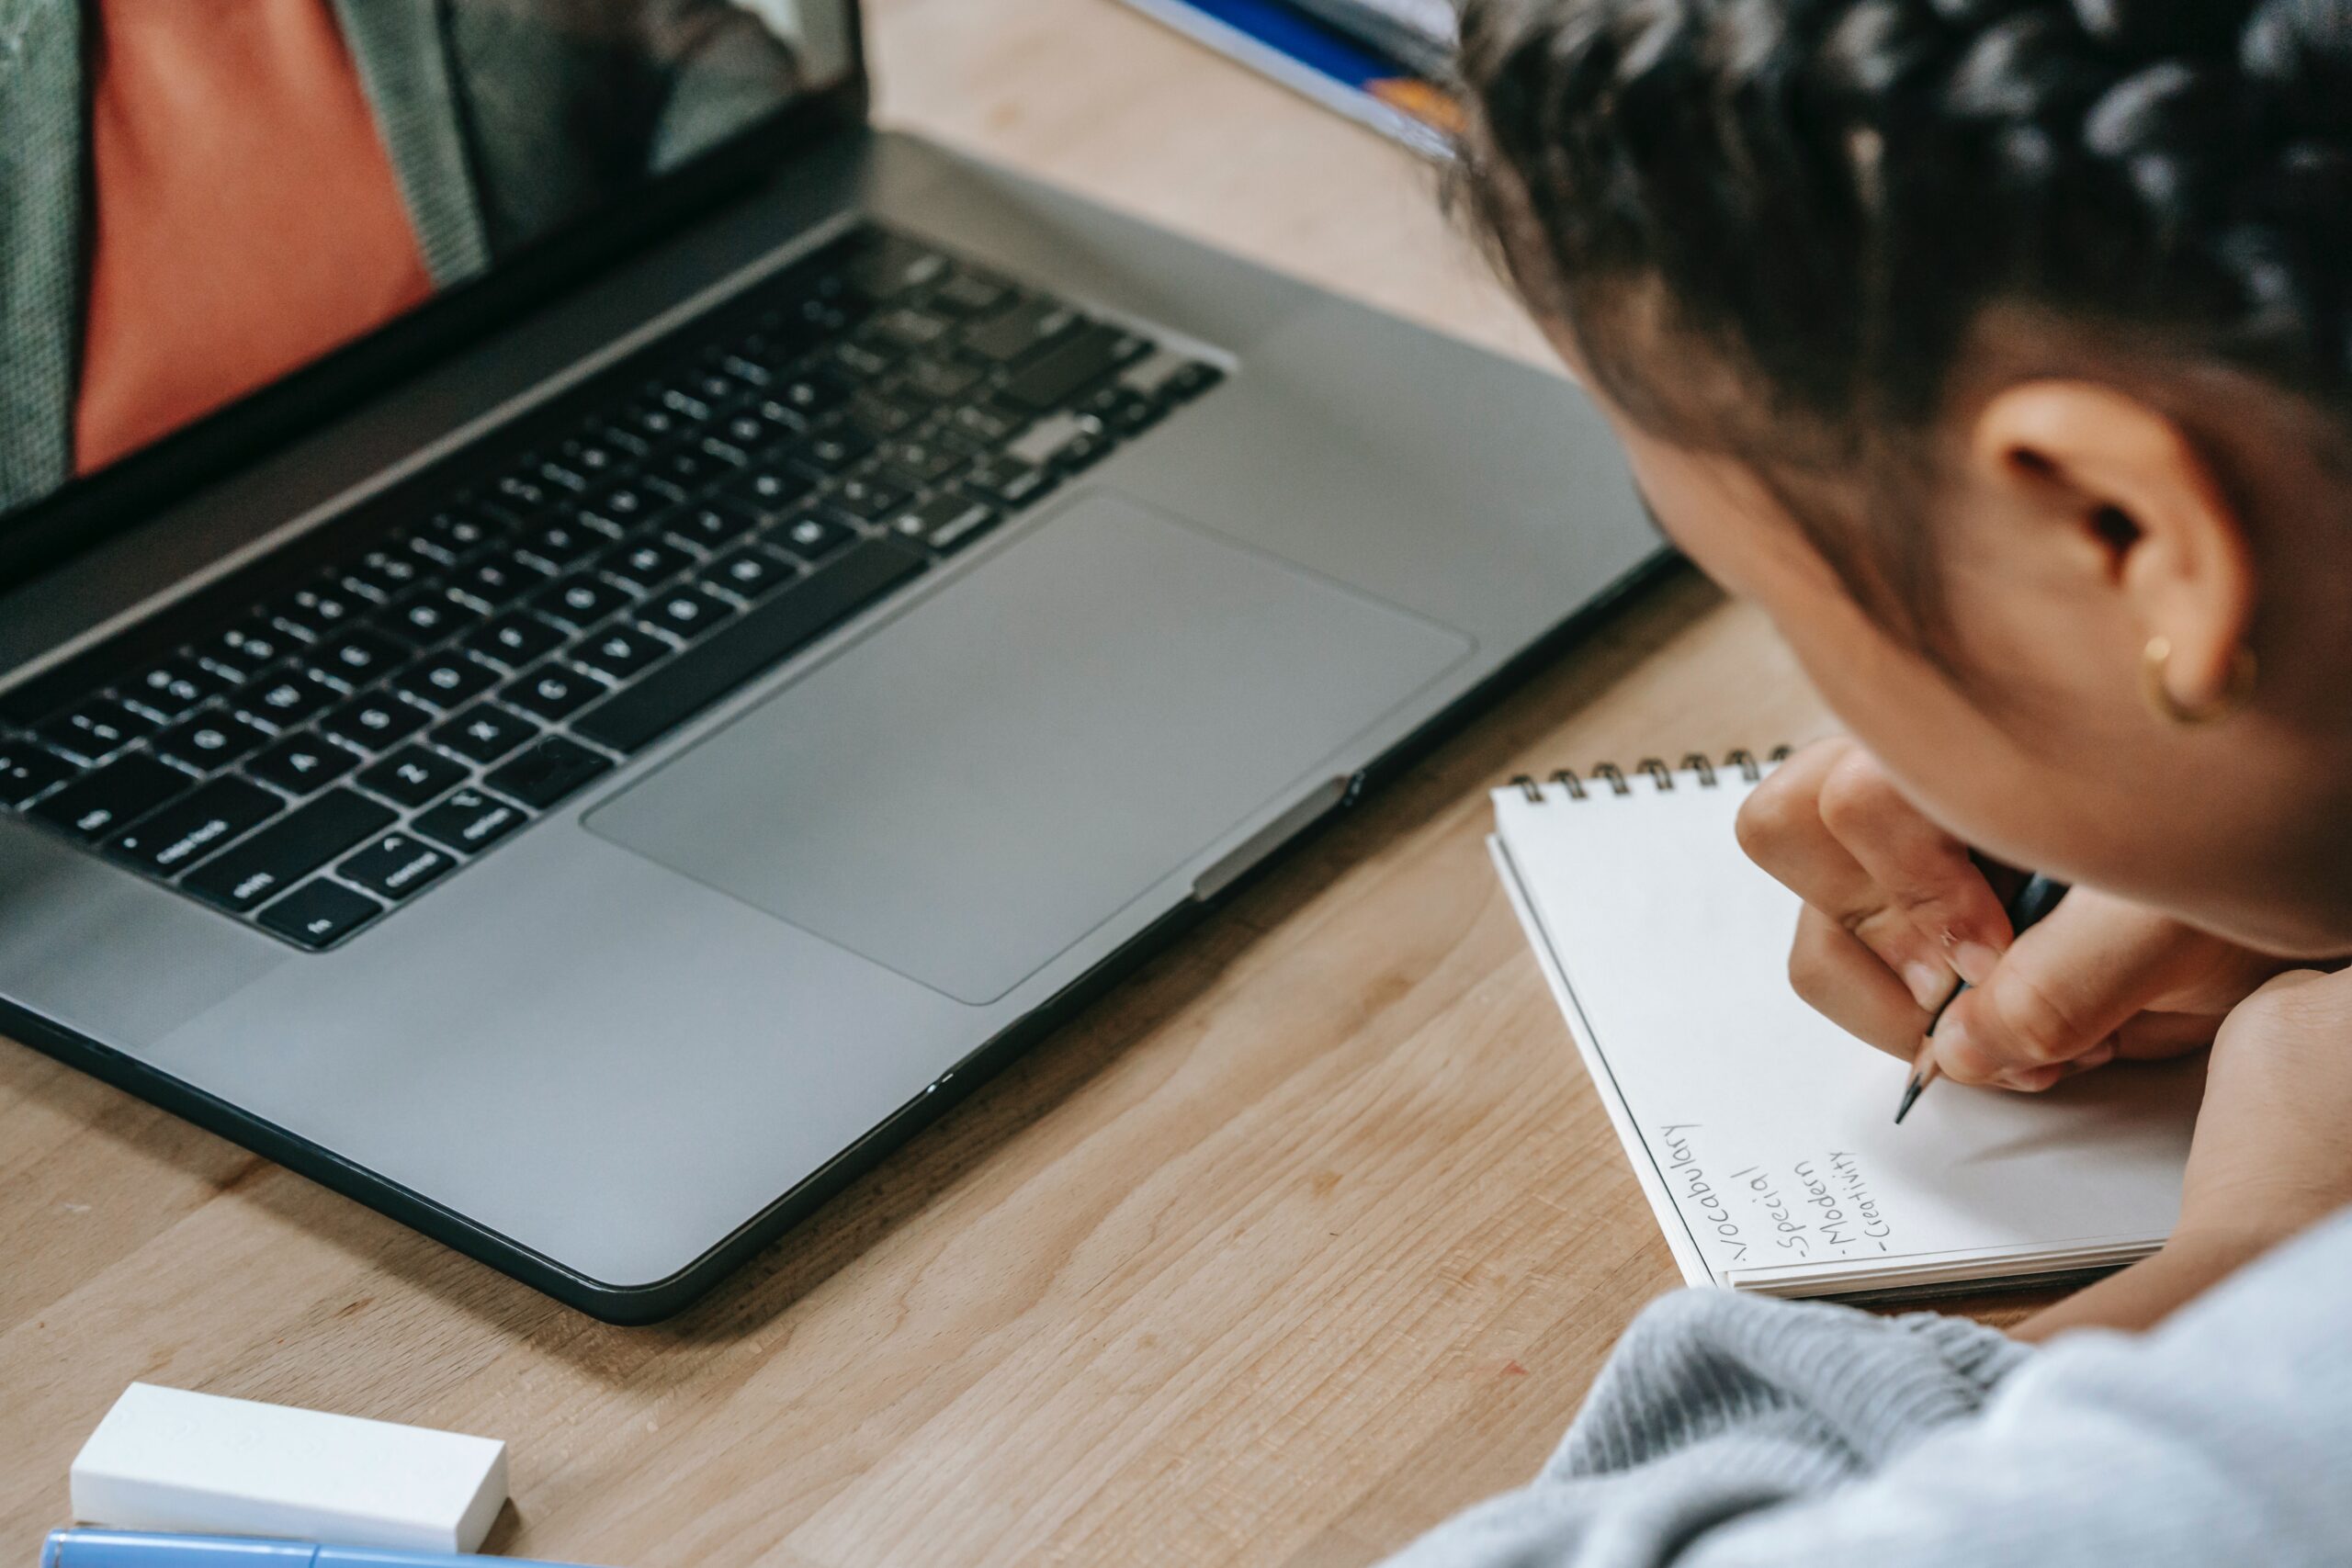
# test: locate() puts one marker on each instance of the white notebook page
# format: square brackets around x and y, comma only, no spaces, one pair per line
[1764,1134]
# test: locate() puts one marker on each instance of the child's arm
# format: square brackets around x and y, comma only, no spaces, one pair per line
[2272,1154]
[1729,1430]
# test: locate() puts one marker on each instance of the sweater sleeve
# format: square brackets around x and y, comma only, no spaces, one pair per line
[1735,1432]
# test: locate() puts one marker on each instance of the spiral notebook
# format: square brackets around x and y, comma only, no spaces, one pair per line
[1762,1134]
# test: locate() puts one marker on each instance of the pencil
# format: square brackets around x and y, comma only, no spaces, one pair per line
[2036,898]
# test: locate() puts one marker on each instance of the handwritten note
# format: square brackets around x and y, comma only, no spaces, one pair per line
[1762,1133]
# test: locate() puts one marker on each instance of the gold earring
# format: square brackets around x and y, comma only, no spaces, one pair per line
[2171,709]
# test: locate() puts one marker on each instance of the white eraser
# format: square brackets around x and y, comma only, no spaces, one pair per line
[167,1459]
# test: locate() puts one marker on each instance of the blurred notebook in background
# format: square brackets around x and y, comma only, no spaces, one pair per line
[1762,1134]
[1378,61]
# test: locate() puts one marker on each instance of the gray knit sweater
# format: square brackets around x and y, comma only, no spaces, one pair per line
[1734,1430]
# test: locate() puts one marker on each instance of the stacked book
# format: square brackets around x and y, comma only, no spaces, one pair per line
[1385,63]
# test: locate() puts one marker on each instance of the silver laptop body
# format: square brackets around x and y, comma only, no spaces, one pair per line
[639,1037]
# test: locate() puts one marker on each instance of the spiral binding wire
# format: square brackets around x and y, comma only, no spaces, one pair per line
[1697,764]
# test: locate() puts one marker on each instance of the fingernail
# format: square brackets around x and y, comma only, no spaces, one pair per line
[1974,961]
[1929,982]
[2098,1055]
[2032,1080]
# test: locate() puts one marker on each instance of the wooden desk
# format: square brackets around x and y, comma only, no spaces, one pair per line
[1308,1236]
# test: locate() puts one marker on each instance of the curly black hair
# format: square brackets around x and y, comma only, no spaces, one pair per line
[1827,195]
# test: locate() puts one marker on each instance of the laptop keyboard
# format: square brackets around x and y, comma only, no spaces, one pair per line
[464,657]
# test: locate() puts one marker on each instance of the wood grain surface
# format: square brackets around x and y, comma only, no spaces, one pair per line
[1308,1236]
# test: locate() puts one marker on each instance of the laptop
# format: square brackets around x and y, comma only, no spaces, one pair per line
[730,622]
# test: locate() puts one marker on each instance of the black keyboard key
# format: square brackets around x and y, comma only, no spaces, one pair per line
[113,797]
[448,536]
[375,720]
[547,772]
[695,465]
[27,768]
[1193,380]
[552,690]
[1071,366]
[619,651]
[318,913]
[1015,334]
[882,265]
[939,380]
[645,564]
[245,651]
[648,425]
[96,729]
[565,543]
[526,493]
[361,656]
[809,397]
[313,614]
[813,537]
[909,326]
[285,696]
[925,461]
[582,599]
[878,415]
[303,762]
[195,825]
[597,454]
[969,294]
[396,865]
[988,427]
[868,496]
[667,696]
[758,429]
[687,612]
[498,580]
[446,680]
[469,821]
[513,639]
[485,732]
[1122,411]
[559,474]
[628,503]
[173,688]
[750,573]
[1009,480]
[768,488]
[710,527]
[833,448]
[427,615]
[383,575]
[288,849]
[213,739]
[945,522]
[412,775]
[862,361]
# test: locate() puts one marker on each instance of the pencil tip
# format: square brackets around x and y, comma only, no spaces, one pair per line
[1910,1098]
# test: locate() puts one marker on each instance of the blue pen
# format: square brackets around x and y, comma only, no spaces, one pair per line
[138,1548]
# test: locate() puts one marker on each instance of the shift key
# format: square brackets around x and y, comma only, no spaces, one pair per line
[279,856]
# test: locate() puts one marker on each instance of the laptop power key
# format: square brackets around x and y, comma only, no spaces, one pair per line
[765,634]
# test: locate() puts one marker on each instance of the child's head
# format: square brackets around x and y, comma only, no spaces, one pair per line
[2001,349]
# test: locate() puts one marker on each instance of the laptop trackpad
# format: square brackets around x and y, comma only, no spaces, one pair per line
[963,794]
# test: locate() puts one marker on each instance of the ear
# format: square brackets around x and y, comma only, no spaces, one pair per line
[2140,504]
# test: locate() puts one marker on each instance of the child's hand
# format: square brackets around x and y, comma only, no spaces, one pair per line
[2271,1154]
[1895,911]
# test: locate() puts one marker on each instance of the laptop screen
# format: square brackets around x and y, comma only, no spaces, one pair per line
[201,200]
